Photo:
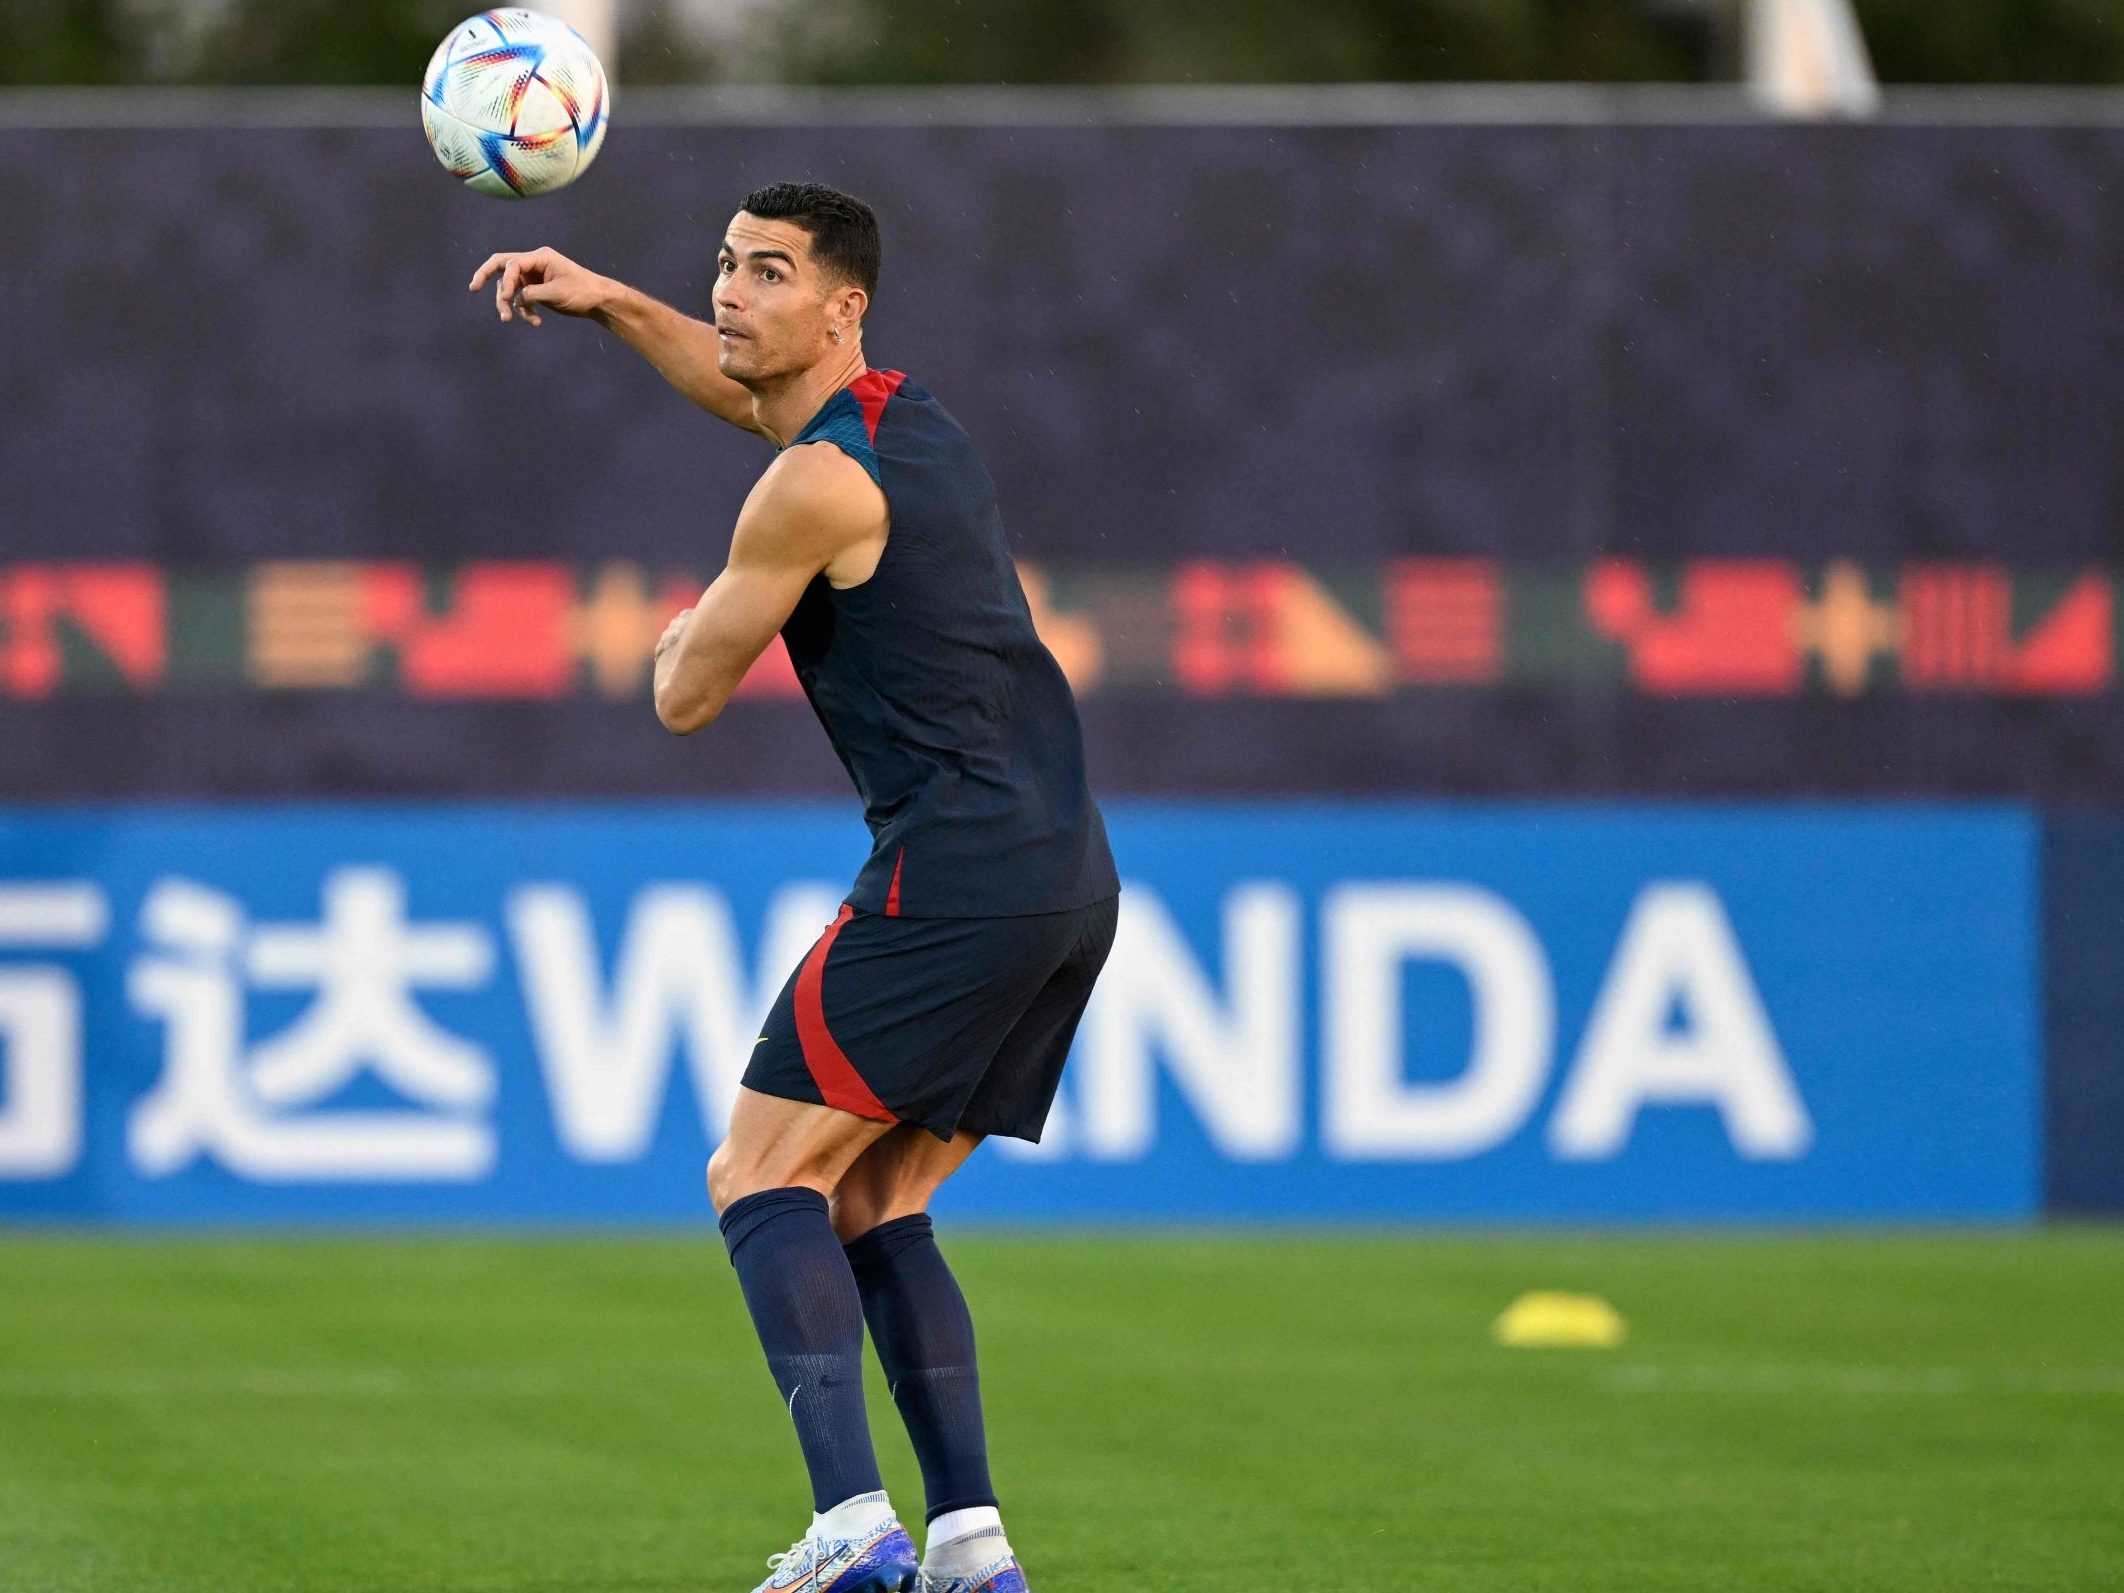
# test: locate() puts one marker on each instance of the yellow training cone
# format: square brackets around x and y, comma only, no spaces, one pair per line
[1548,1320]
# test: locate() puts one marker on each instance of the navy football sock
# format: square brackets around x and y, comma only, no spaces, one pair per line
[924,1334]
[810,1321]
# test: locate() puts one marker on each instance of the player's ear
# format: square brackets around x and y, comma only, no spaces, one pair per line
[848,305]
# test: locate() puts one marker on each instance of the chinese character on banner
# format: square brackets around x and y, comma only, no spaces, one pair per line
[40,1024]
[258,1108]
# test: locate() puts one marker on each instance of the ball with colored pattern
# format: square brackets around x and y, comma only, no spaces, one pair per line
[515,103]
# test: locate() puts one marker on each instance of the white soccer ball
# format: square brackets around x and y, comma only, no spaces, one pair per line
[515,103]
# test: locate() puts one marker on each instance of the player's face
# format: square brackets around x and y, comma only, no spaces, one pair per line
[771,301]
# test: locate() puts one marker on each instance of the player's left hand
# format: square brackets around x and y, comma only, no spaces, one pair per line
[673,631]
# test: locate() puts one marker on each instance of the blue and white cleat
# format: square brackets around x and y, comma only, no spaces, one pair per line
[1000,1575]
[880,1560]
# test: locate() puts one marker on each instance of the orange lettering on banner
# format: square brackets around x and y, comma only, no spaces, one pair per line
[1730,632]
[1270,628]
[506,634]
[1958,634]
[1445,621]
[120,608]
[615,630]
[304,627]
[1078,649]
[1847,630]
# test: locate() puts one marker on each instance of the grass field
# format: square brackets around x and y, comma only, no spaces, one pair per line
[1939,1412]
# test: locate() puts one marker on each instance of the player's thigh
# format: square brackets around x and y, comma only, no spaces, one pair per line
[775,1143]
[896,1176]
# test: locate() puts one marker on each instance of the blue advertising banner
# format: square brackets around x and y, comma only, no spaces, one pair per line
[1313,1012]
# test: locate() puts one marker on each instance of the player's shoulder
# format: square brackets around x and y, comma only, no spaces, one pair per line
[811,500]
[848,421]
[817,477]
[849,425]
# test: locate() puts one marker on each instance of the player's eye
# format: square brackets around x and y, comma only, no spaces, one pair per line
[770,274]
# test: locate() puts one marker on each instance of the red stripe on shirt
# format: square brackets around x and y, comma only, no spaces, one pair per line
[871,390]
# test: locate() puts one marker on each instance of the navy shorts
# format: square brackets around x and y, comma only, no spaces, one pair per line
[958,1025]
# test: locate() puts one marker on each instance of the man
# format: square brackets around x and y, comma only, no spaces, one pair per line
[938,1007]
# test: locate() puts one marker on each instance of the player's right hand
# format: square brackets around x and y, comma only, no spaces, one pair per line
[527,280]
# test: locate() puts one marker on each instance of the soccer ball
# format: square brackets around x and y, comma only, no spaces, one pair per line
[515,103]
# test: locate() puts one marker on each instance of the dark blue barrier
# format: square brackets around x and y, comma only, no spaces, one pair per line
[2083,891]
[1314,1013]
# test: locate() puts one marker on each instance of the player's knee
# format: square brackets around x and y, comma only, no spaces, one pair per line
[863,1194]
[726,1178]
[853,1200]
[733,1173]
[854,1214]
[864,1203]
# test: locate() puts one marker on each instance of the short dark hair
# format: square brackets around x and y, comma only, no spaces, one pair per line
[844,231]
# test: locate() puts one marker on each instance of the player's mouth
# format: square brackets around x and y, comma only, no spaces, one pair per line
[728,331]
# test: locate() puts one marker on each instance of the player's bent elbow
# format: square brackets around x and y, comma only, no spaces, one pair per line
[682,719]
[674,720]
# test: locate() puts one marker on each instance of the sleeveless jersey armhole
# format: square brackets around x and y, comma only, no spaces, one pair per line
[869,461]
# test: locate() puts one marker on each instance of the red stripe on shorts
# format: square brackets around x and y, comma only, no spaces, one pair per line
[892,896]
[839,1083]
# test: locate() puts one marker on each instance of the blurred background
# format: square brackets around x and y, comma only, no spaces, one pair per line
[1074,41]
[1586,536]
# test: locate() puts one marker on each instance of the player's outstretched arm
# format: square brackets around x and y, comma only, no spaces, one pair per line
[816,511]
[681,348]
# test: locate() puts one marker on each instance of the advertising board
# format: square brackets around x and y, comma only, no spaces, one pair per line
[1314,1012]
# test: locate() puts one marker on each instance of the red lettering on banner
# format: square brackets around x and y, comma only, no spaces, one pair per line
[771,675]
[1226,638]
[1957,625]
[1958,634]
[1445,621]
[550,629]
[507,633]
[1730,633]
[120,608]
[2072,650]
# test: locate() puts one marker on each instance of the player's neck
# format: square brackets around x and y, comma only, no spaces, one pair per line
[783,407]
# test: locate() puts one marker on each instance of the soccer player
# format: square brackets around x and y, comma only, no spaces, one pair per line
[938,1007]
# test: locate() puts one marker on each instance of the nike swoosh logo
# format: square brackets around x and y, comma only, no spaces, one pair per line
[817,1576]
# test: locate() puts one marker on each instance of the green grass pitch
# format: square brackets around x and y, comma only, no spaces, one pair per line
[590,1415]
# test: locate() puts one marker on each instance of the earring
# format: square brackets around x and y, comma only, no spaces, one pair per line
[834,333]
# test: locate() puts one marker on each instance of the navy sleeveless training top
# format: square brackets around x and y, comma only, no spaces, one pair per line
[948,711]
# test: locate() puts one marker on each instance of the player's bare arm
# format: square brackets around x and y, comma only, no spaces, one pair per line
[816,511]
[683,350]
